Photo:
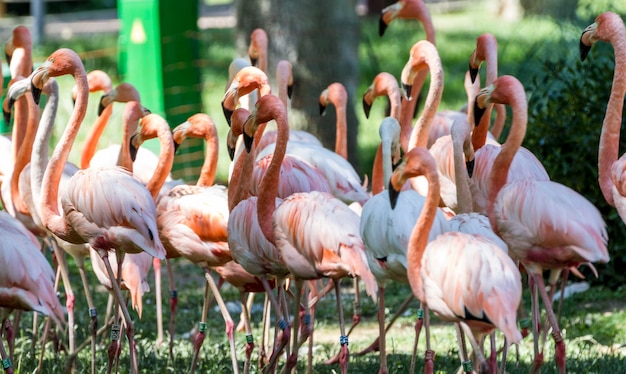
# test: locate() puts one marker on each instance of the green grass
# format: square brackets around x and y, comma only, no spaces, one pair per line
[592,322]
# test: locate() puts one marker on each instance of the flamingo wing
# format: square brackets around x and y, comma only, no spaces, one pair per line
[193,221]
[318,235]
[110,202]
[468,277]
[296,175]
[550,224]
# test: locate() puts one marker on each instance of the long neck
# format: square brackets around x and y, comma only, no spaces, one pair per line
[419,236]
[39,159]
[500,169]
[386,161]
[419,134]
[460,137]
[50,187]
[209,167]
[93,137]
[166,160]
[24,152]
[238,191]
[408,109]
[269,184]
[124,158]
[609,138]
[341,135]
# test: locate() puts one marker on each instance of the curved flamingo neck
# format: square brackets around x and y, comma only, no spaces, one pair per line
[419,238]
[609,138]
[487,50]
[341,132]
[407,109]
[209,167]
[500,169]
[283,77]
[25,151]
[378,171]
[269,184]
[498,124]
[166,159]
[93,137]
[419,134]
[460,134]
[244,165]
[39,159]
[50,187]
[130,123]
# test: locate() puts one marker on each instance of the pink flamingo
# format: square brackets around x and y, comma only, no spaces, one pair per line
[123,218]
[192,223]
[335,253]
[546,225]
[26,281]
[609,27]
[462,291]
[417,10]
[385,231]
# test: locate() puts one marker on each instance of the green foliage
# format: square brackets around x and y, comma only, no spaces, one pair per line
[567,102]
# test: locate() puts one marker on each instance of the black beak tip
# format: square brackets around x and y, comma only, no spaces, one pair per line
[393,196]
[227,114]
[176,146]
[36,92]
[7,117]
[478,113]
[366,108]
[407,90]
[322,109]
[253,60]
[469,165]
[133,152]
[382,26]
[584,50]
[290,91]
[101,106]
[247,141]
[231,152]
[473,73]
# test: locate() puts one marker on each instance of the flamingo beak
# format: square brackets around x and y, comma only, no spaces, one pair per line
[393,195]
[469,165]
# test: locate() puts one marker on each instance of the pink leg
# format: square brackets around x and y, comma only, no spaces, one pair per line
[429,356]
[173,304]
[283,324]
[418,330]
[6,361]
[559,354]
[201,334]
[156,265]
[344,355]
[230,325]
[382,335]
[245,315]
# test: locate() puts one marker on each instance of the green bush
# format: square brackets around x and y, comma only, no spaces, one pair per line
[567,103]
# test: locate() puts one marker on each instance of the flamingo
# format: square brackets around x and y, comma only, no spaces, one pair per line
[416,10]
[123,217]
[27,279]
[250,234]
[336,253]
[30,190]
[192,222]
[609,27]
[546,225]
[486,51]
[385,231]
[480,286]
[257,50]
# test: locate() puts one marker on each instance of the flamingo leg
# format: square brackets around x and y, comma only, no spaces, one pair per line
[249,301]
[418,330]
[344,356]
[283,324]
[538,359]
[493,358]
[466,364]
[6,361]
[10,332]
[559,350]
[200,335]
[130,330]
[46,330]
[375,344]
[245,314]
[173,304]
[262,361]
[93,314]
[69,293]
[382,334]
[230,325]
[356,316]
[292,359]
[429,355]
[504,352]
[156,264]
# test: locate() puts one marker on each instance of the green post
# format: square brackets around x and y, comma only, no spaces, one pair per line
[5,128]
[158,53]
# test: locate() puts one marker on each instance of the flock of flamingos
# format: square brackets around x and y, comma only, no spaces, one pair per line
[450,210]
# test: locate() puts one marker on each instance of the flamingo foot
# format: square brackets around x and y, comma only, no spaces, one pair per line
[429,361]
[291,363]
[559,351]
[537,363]
[525,325]
[132,347]
[283,339]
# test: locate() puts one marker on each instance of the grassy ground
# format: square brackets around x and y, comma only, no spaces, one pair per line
[592,322]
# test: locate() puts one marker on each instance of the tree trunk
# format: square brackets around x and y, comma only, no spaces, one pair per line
[320,39]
